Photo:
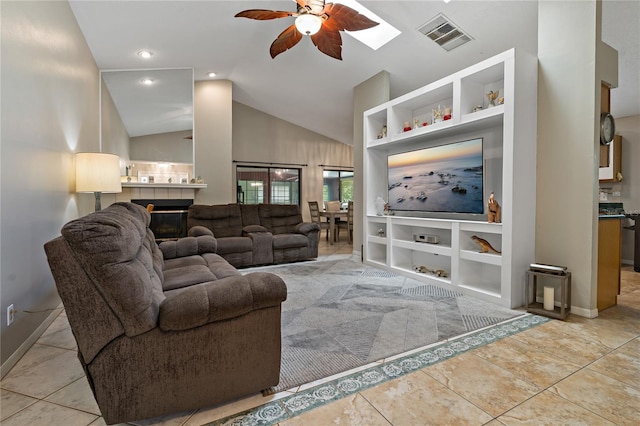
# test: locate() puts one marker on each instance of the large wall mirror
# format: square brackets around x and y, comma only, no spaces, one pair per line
[156,110]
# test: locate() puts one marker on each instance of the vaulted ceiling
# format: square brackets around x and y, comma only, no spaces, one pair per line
[310,89]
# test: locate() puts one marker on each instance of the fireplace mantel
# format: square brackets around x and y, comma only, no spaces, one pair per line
[164,185]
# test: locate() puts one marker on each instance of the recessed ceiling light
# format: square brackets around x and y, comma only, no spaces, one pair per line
[212,74]
[147,81]
[145,54]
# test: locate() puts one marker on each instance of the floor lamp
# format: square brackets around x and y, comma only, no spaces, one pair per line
[97,172]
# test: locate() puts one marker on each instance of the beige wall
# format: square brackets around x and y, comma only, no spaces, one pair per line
[368,94]
[212,136]
[115,138]
[259,137]
[50,107]
[567,173]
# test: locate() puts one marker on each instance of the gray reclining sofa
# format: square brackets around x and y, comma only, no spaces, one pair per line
[163,329]
[256,234]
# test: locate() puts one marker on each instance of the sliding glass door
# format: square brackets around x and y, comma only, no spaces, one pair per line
[271,185]
[337,185]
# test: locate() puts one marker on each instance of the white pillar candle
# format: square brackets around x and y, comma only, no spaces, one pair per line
[548,298]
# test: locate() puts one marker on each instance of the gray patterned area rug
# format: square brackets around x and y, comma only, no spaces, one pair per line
[342,314]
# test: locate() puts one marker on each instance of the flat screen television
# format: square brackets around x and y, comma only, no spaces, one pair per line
[445,178]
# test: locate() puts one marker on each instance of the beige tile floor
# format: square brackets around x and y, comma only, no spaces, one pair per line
[579,371]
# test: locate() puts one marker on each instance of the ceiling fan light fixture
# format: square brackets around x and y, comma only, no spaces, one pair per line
[308,24]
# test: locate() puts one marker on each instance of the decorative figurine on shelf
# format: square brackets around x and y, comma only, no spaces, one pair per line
[380,232]
[407,126]
[437,114]
[485,246]
[416,123]
[492,97]
[425,270]
[494,210]
[383,132]
[477,108]
[447,114]
[501,100]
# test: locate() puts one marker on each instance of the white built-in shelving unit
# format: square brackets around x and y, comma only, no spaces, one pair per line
[509,152]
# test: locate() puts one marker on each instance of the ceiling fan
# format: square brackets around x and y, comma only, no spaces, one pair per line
[317,19]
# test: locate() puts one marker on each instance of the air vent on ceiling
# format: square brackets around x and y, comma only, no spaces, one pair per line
[444,32]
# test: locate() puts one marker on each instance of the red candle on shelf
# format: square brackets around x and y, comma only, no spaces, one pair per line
[407,126]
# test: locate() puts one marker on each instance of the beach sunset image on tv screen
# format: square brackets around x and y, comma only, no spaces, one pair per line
[445,178]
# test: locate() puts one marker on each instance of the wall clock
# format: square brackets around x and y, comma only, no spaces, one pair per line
[607,128]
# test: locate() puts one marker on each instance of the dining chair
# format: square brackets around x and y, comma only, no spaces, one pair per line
[348,224]
[314,209]
[332,206]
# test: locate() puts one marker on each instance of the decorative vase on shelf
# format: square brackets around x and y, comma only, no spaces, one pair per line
[380,205]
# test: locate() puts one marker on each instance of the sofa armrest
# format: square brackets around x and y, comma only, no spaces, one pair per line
[188,246]
[252,229]
[307,227]
[220,300]
[196,231]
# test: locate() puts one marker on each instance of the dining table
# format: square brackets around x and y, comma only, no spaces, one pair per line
[332,215]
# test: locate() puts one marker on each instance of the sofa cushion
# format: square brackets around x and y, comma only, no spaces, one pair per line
[181,262]
[205,267]
[234,245]
[250,214]
[220,300]
[280,218]
[121,257]
[186,276]
[219,266]
[225,220]
[285,241]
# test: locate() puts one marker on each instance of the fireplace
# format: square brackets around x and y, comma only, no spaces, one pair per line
[168,217]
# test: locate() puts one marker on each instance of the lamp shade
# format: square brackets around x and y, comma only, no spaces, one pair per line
[97,172]
[308,24]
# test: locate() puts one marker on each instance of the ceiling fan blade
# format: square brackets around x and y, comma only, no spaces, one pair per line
[343,18]
[263,15]
[328,41]
[285,41]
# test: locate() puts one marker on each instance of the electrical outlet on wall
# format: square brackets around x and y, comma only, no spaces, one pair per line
[10,314]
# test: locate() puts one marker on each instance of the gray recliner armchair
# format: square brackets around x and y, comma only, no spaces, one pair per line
[163,329]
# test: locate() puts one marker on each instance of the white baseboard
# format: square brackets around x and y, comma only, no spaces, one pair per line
[30,341]
[582,312]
